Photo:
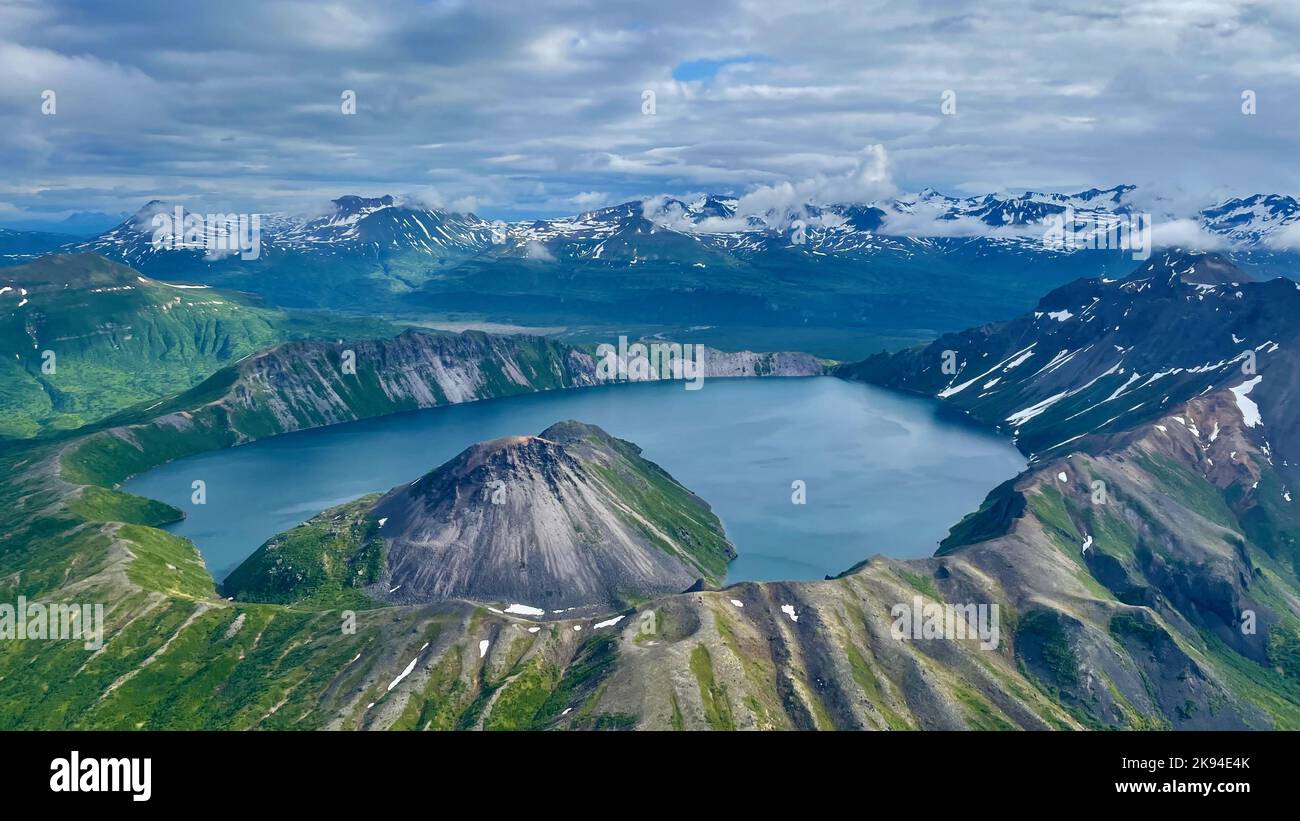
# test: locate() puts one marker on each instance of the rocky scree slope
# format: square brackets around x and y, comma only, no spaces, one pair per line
[570,519]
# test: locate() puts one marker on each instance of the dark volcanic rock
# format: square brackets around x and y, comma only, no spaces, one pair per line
[570,518]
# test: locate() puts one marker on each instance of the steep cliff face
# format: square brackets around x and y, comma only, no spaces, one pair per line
[309,384]
[300,385]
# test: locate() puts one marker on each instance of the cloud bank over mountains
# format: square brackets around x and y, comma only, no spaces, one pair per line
[540,111]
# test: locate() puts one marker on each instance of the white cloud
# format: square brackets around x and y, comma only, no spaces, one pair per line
[537,113]
[588,200]
[1286,238]
[783,203]
[536,250]
[1184,233]
[869,180]
[427,198]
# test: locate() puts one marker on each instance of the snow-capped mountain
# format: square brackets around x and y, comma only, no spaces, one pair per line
[355,224]
[131,241]
[1266,220]
[913,265]
[928,219]
[693,230]
[638,230]
[1099,356]
[1028,209]
[384,223]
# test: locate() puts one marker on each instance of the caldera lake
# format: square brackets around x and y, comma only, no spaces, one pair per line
[809,475]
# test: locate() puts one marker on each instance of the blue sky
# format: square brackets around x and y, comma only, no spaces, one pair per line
[530,109]
[707,68]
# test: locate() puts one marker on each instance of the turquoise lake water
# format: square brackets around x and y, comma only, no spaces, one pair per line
[883,472]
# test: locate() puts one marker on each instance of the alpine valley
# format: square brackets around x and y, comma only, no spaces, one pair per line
[1145,565]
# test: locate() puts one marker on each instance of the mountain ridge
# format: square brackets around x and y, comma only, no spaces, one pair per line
[1248,220]
[888,275]
[1092,347]
[83,337]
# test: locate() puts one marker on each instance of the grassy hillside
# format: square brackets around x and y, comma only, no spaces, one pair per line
[326,561]
[1140,629]
[82,337]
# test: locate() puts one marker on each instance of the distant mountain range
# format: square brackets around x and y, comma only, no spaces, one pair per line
[642,230]
[837,280]
[712,223]
[73,227]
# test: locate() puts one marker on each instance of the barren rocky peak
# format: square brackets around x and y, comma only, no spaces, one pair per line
[516,456]
[572,517]
[499,452]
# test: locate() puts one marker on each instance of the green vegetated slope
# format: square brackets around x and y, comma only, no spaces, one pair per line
[679,522]
[1142,629]
[326,561]
[82,337]
[1150,592]
[20,246]
[1152,549]
[828,661]
[178,655]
